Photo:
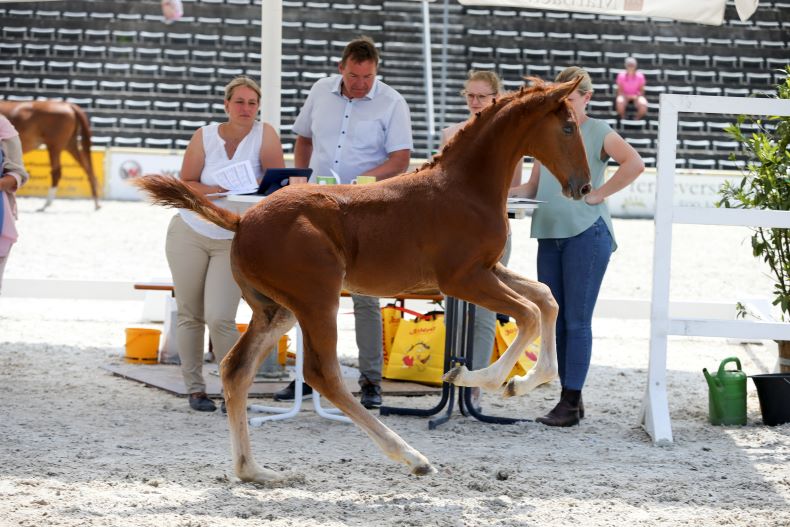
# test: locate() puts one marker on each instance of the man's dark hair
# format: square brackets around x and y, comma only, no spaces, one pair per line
[360,50]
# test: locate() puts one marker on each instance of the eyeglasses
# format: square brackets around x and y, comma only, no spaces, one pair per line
[480,97]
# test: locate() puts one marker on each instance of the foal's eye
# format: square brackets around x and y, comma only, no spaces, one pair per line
[567,129]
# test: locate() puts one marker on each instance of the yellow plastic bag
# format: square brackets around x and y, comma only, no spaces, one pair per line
[418,350]
[505,335]
[391,317]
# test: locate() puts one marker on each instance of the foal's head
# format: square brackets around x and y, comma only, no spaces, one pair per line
[536,121]
[555,140]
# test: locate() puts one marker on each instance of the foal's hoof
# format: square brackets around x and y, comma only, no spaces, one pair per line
[285,480]
[454,374]
[423,470]
[510,389]
[269,478]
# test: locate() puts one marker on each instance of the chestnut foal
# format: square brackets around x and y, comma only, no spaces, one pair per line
[60,126]
[440,228]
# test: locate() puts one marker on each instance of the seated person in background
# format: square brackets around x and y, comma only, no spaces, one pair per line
[631,89]
[480,90]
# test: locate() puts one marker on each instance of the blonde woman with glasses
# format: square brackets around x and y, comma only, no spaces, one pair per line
[481,88]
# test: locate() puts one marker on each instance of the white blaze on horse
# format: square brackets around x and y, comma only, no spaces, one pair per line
[440,228]
[59,126]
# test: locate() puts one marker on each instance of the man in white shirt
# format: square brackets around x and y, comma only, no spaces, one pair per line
[354,125]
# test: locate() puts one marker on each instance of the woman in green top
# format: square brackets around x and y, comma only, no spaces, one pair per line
[575,240]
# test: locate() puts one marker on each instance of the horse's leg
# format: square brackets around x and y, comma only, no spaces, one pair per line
[82,159]
[483,288]
[545,369]
[322,372]
[55,173]
[269,322]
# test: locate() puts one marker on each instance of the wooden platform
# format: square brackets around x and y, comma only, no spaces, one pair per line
[168,377]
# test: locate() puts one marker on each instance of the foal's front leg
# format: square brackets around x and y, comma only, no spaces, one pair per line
[545,369]
[484,288]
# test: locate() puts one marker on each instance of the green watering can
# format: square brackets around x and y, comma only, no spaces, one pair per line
[727,394]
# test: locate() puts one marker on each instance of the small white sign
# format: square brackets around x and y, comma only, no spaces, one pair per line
[692,189]
[126,166]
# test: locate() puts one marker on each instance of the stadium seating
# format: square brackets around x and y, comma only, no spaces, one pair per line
[160,81]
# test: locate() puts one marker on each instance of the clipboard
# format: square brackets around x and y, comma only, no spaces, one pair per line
[276,178]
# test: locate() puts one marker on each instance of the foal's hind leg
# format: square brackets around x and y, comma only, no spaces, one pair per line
[484,288]
[55,172]
[269,322]
[545,369]
[322,372]
[83,158]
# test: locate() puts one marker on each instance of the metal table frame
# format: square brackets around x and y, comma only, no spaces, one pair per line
[285,413]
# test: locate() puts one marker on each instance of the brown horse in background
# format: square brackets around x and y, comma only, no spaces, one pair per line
[57,125]
[441,228]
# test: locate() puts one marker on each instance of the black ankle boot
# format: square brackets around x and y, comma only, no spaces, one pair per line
[581,403]
[566,413]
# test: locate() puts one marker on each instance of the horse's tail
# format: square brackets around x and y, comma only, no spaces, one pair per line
[172,192]
[85,134]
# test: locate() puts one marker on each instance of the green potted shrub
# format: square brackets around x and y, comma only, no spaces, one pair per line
[766,185]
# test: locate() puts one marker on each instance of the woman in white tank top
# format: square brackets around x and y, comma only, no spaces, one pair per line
[198,253]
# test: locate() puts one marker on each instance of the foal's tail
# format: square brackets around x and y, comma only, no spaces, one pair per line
[84,130]
[172,192]
[85,135]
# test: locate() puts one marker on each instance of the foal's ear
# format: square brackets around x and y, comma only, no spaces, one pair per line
[562,91]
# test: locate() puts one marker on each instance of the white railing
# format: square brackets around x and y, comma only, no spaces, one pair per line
[655,408]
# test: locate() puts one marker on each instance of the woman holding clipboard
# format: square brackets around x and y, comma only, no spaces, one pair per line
[198,252]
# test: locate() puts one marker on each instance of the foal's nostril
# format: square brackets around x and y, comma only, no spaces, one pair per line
[586,189]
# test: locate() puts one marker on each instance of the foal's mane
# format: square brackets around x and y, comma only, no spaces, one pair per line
[535,93]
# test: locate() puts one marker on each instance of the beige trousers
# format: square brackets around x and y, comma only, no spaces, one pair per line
[206,294]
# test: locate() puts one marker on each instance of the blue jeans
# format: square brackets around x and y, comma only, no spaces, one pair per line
[573,268]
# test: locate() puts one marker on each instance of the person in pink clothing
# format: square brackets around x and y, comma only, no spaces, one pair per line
[172,10]
[12,176]
[631,89]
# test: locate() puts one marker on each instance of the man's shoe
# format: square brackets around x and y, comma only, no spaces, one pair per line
[199,401]
[371,396]
[289,392]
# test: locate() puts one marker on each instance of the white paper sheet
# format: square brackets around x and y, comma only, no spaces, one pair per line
[237,178]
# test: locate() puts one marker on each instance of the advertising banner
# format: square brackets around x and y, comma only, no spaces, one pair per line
[125,165]
[701,11]
[73,180]
[692,189]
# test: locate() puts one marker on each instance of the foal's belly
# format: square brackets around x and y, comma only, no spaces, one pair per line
[383,277]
